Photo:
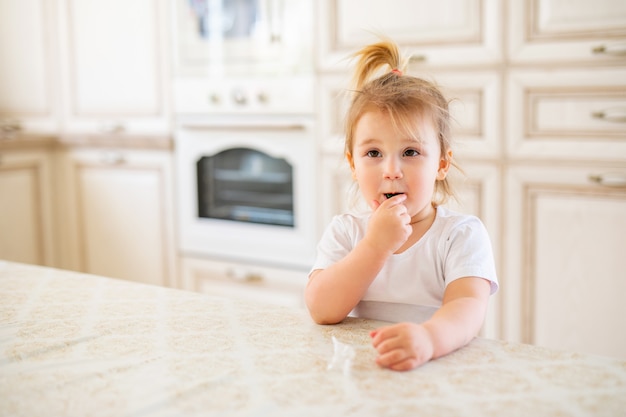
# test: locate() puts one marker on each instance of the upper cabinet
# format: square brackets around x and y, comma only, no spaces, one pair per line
[28,73]
[114,66]
[576,30]
[445,32]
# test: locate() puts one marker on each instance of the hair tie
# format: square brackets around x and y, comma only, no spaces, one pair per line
[396,71]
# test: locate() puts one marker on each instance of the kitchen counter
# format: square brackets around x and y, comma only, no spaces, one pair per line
[74,344]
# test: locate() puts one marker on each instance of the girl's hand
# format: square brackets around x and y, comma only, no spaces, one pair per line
[390,224]
[402,346]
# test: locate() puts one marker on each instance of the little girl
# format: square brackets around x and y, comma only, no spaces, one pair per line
[409,260]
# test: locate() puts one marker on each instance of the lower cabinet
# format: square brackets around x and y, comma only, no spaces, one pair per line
[116,209]
[26,207]
[565,275]
[245,282]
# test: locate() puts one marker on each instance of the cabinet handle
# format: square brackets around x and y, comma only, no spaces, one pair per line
[417,59]
[112,128]
[609,179]
[9,127]
[244,276]
[610,115]
[112,158]
[616,49]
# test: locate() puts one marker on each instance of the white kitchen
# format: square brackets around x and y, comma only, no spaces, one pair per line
[198,145]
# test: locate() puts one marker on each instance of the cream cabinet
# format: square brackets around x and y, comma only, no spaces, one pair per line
[565,239]
[555,31]
[117,210]
[26,205]
[445,32]
[565,184]
[114,60]
[573,113]
[244,282]
[29,73]
[540,130]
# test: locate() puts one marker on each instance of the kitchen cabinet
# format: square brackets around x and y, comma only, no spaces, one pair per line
[29,72]
[565,175]
[244,282]
[448,33]
[114,58]
[117,211]
[554,31]
[573,113]
[540,132]
[565,239]
[26,205]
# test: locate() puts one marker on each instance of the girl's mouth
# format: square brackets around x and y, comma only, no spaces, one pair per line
[389,195]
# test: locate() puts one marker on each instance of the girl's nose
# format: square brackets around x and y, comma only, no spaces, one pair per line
[393,169]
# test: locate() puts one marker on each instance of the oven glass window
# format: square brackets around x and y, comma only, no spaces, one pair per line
[246,185]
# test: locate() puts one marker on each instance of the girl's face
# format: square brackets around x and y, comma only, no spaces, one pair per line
[386,162]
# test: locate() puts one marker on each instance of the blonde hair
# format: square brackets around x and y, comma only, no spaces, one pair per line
[380,84]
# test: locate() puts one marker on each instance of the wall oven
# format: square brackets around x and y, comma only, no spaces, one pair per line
[246,171]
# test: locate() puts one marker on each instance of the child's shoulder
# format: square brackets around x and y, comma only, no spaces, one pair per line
[452,220]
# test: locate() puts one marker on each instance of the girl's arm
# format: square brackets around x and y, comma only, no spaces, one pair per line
[405,346]
[333,292]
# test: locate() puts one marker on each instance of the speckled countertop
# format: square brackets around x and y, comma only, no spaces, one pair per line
[78,345]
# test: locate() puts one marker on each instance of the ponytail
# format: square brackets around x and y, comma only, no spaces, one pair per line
[373,58]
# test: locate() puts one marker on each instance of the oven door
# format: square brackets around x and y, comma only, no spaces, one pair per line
[246,188]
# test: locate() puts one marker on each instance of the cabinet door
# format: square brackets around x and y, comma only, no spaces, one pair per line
[565,240]
[448,32]
[575,30]
[114,65]
[569,113]
[27,73]
[244,282]
[26,207]
[119,215]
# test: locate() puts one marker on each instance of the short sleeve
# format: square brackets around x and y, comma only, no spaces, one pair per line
[469,253]
[334,245]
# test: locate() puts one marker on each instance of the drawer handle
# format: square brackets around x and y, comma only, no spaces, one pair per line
[10,126]
[112,128]
[238,275]
[609,179]
[417,59]
[616,115]
[112,158]
[616,49]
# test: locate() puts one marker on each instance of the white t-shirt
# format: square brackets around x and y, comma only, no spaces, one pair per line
[410,286]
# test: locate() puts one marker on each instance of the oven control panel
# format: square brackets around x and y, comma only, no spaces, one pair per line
[290,95]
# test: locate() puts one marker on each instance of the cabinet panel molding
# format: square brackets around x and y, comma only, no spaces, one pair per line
[564,267]
[570,113]
[443,32]
[26,208]
[558,31]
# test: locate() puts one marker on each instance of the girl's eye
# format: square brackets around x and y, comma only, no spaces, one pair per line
[411,152]
[373,154]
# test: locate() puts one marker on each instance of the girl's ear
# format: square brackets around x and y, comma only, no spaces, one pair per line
[444,166]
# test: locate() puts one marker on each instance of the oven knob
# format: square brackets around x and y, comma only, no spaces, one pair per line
[263,97]
[239,98]
[215,98]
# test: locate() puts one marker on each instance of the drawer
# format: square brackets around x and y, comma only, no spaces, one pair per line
[243,281]
[579,114]
[572,31]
